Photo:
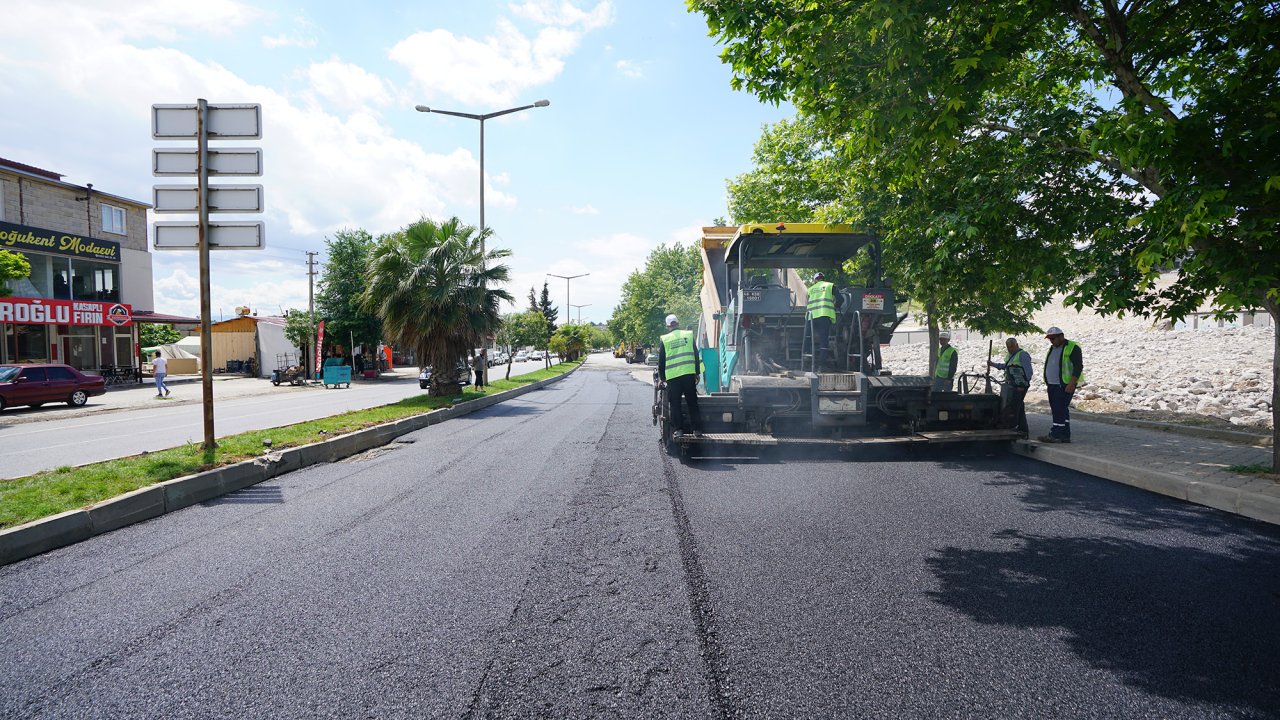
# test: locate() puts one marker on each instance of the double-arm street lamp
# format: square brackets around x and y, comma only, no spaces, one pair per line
[580,311]
[566,279]
[481,118]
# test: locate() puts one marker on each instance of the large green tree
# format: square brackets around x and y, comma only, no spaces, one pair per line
[521,329]
[1175,102]
[343,281]
[13,266]
[437,291]
[668,284]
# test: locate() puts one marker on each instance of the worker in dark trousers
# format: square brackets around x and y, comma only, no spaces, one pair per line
[1017,378]
[944,374]
[679,367]
[822,314]
[1063,371]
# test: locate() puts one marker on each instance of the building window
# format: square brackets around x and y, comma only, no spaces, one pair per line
[1,200]
[113,219]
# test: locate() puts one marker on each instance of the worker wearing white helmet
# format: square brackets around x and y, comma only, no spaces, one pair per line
[679,367]
[944,373]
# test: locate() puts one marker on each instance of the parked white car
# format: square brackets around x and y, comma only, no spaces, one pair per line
[535,355]
[521,356]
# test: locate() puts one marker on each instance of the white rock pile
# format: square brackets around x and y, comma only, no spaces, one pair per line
[1131,365]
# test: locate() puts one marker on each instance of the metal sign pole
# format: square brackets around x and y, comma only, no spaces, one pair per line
[206,334]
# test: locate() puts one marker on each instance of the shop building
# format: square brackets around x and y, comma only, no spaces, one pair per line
[90,281]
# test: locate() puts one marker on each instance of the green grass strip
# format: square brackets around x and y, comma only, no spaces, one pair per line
[51,492]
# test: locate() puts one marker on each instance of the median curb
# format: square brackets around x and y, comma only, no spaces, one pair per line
[1244,500]
[70,527]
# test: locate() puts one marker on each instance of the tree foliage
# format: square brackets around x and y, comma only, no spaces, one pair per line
[438,292]
[343,281]
[1170,106]
[668,284]
[153,334]
[13,266]
[518,330]
[570,341]
[300,330]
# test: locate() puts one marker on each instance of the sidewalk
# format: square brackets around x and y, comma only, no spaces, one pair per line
[1181,466]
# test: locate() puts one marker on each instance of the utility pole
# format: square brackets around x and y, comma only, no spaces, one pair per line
[311,304]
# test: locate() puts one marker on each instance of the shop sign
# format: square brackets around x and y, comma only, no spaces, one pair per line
[32,239]
[37,311]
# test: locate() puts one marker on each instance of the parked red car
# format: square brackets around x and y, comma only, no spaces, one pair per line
[36,385]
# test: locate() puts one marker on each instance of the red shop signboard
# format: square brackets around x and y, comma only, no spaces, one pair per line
[36,311]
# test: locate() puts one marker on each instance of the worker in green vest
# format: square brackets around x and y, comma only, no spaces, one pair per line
[944,374]
[1013,391]
[821,309]
[679,366]
[1063,371]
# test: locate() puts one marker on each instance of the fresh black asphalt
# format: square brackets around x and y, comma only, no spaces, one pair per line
[543,558]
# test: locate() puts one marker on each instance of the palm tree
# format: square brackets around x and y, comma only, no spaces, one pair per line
[437,292]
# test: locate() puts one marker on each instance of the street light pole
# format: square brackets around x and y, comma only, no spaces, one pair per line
[566,279]
[580,311]
[481,117]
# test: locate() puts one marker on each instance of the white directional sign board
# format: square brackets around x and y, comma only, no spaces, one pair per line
[222,235]
[226,122]
[222,198]
[175,162]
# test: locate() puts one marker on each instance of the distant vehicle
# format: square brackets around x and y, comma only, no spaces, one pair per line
[521,356]
[36,385]
[535,355]
[497,357]
[464,375]
[651,360]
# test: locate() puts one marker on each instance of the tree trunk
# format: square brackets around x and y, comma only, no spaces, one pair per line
[509,361]
[1273,309]
[932,324]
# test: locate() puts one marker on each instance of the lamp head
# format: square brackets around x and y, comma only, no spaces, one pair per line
[542,103]
[422,108]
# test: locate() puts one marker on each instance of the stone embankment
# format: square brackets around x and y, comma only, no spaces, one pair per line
[1133,365]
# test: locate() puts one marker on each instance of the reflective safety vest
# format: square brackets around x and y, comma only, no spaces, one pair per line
[1014,373]
[1069,373]
[822,301]
[944,363]
[681,355]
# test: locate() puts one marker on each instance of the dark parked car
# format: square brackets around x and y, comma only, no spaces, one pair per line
[464,375]
[36,385]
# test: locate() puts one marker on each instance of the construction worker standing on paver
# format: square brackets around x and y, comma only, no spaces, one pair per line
[1063,370]
[822,314]
[1017,378]
[679,367]
[944,375]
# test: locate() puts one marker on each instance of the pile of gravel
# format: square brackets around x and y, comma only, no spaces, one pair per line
[1132,365]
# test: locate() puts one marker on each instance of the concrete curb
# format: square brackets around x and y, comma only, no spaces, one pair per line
[1231,436]
[1241,500]
[73,526]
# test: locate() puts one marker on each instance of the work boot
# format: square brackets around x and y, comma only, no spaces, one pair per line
[1048,439]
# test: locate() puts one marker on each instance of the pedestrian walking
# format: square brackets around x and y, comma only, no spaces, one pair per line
[1017,378]
[1063,371]
[161,369]
[479,364]
[822,314]
[944,374]
[679,367]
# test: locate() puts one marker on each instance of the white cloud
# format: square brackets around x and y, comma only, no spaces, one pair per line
[564,13]
[494,71]
[630,68]
[282,40]
[347,87]
[587,209]
[303,36]
[500,68]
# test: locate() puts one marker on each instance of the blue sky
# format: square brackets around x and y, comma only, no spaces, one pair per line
[642,131]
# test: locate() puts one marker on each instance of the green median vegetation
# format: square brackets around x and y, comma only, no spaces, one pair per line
[66,488]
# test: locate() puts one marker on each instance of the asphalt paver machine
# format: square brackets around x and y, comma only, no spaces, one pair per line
[763,382]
